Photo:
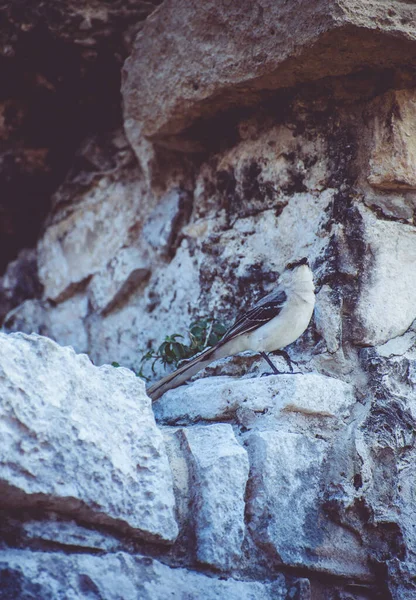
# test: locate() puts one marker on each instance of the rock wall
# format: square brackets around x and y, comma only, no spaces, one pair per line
[249,135]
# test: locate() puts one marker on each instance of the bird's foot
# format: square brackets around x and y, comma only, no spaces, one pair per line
[269,362]
[274,373]
[284,355]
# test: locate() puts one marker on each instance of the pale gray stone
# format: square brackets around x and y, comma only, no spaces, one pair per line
[178,455]
[397,346]
[393,152]
[328,317]
[120,575]
[217,398]
[285,515]
[164,222]
[31,316]
[81,243]
[69,533]
[219,467]
[398,204]
[63,323]
[386,307]
[19,282]
[212,51]
[125,271]
[81,440]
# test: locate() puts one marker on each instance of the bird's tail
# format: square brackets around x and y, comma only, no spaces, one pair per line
[183,373]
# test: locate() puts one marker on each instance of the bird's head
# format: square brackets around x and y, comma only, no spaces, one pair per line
[297,272]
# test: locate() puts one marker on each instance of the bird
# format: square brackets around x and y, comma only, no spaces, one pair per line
[274,322]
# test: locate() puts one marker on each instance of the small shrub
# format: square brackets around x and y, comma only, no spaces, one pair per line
[202,334]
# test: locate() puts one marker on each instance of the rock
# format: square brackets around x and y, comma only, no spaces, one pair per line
[149,315]
[125,272]
[397,346]
[217,51]
[45,575]
[165,221]
[66,323]
[284,511]
[63,323]
[81,441]
[219,471]
[393,152]
[389,276]
[270,398]
[328,317]
[19,282]
[178,455]
[398,205]
[80,244]
[29,317]
[68,534]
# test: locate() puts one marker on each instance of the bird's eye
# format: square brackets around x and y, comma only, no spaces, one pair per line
[298,263]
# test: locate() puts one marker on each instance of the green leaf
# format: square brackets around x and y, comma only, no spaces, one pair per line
[202,332]
[219,328]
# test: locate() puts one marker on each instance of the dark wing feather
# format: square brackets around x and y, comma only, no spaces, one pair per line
[265,310]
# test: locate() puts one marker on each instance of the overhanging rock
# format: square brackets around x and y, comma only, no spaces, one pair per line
[194,60]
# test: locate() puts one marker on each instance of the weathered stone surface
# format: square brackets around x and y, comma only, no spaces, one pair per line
[46,575]
[285,516]
[81,440]
[219,467]
[123,335]
[68,534]
[393,152]
[223,55]
[63,322]
[19,282]
[386,306]
[266,173]
[328,317]
[165,221]
[398,346]
[83,242]
[125,271]
[29,317]
[269,397]
[73,21]
[395,204]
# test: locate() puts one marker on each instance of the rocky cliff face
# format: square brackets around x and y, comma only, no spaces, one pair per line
[246,135]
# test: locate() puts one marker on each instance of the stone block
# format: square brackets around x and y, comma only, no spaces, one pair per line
[219,468]
[81,440]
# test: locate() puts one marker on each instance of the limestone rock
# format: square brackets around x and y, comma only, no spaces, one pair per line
[164,222]
[393,152]
[328,317]
[271,398]
[120,575]
[285,515]
[19,282]
[29,317]
[386,307]
[219,467]
[223,55]
[125,271]
[67,534]
[64,323]
[82,243]
[81,440]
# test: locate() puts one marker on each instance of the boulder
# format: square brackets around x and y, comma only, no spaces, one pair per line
[81,440]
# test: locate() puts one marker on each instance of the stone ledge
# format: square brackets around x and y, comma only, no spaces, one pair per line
[193,61]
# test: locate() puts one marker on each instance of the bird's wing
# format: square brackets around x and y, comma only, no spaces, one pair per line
[265,310]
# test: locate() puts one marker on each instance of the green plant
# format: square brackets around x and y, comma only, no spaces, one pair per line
[202,333]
